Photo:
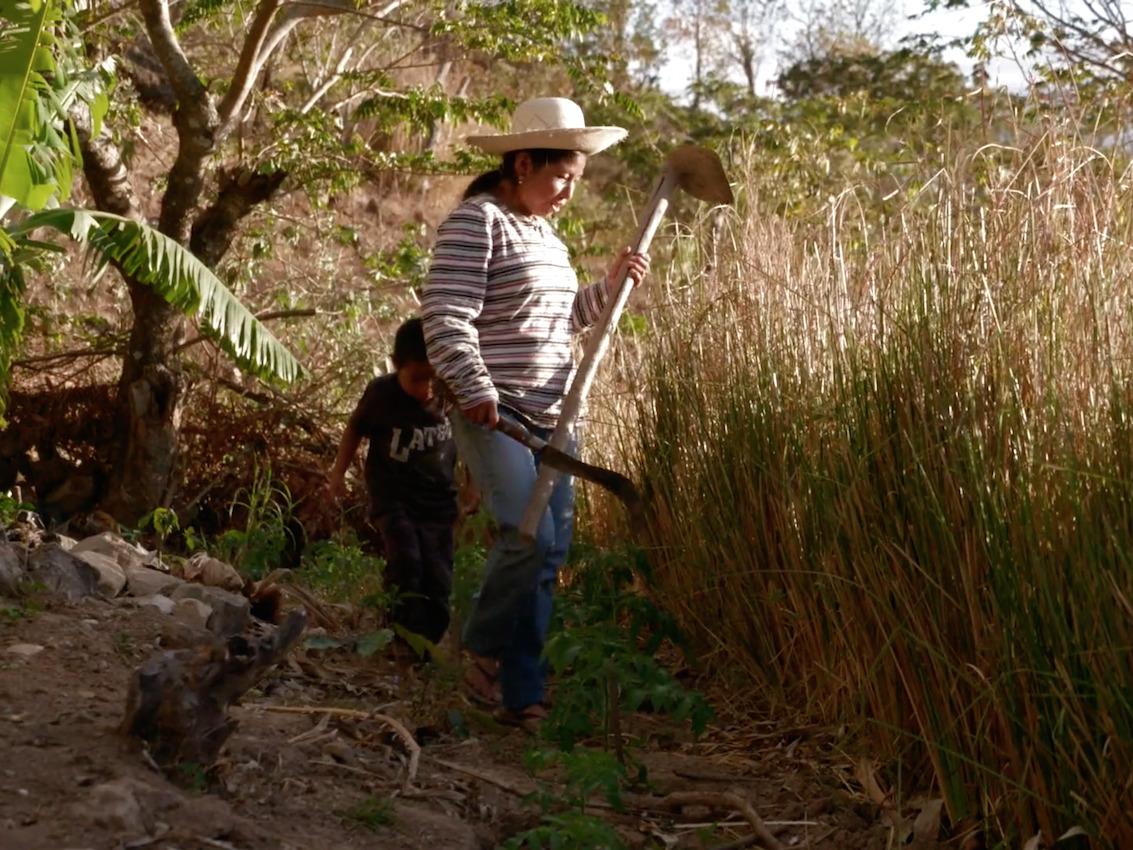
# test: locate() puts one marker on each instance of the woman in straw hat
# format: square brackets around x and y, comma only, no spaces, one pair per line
[500,308]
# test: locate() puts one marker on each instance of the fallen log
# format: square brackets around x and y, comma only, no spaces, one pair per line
[178,698]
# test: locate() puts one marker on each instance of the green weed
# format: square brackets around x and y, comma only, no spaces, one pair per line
[342,571]
[191,776]
[265,510]
[374,813]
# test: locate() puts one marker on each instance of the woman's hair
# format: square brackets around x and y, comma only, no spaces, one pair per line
[489,181]
[409,344]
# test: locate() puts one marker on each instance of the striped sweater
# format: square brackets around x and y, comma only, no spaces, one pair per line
[500,307]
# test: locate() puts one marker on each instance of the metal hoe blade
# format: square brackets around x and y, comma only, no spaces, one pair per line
[613,482]
[700,173]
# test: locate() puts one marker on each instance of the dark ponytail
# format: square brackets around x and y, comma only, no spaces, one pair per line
[486,183]
[489,181]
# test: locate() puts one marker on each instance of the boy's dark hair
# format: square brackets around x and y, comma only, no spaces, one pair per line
[409,344]
[489,181]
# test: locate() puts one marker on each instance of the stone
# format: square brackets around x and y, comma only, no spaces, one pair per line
[162,603]
[65,543]
[23,650]
[108,543]
[11,569]
[61,572]
[205,569]
[341,752]
[114,806]
[176,634]
[230,611]
[111,577]
[192,611]
[142,581]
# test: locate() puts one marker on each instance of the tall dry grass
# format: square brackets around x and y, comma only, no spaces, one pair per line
[890,469]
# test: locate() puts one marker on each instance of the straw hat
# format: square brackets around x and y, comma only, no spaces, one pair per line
[549,122]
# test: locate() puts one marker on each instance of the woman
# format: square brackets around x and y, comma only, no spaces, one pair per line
[500,307]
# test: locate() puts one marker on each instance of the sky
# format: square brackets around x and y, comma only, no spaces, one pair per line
[1005,70]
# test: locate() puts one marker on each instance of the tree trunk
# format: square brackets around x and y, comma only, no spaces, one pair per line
[151,385]
[746,49]
[146,414]
[149,409]
[150,389]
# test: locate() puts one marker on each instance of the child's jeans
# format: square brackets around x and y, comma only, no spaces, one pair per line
[419,569]
[512,610]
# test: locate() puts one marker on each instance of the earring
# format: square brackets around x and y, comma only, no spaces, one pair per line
[520,180]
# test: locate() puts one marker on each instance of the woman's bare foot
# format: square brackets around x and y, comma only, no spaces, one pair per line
[528,719]
[481,679]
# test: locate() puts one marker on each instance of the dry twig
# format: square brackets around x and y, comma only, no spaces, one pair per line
[396,725]
[483,777]
[725,800]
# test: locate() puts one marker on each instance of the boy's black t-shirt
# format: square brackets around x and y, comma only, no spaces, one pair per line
[409,464]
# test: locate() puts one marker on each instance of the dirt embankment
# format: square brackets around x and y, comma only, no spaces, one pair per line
[330,774]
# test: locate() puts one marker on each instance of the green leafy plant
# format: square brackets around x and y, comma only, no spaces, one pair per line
[603,638]
[566,823]
[406,264]
[468,566]
[602,648]
[568,831]
[163,522]
[44,77]
[28,603]
[11,507]
[585,773]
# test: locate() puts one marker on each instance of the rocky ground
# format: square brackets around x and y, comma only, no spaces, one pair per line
[333,750]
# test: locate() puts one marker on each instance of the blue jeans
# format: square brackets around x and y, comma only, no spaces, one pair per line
[512,610]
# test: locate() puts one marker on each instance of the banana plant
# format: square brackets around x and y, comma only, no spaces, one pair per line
[41,81]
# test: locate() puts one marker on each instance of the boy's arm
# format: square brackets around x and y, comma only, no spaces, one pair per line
[347,448]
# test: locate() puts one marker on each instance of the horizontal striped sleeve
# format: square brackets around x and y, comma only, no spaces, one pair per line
[453,299]
[588,306]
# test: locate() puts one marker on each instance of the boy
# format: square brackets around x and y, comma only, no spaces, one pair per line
[409,477]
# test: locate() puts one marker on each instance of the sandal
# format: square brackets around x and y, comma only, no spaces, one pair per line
[480,680]
[528,719]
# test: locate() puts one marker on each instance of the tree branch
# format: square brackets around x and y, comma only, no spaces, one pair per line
[248,68]
[105,172]
[1078,28]
[290,16]
[333,77]
[168,49]
[240,191]
[195,119]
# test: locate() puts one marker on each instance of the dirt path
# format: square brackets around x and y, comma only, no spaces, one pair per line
[68,780]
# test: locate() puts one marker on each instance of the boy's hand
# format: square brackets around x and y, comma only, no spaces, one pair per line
[336,488]
[634,266]
[485,413]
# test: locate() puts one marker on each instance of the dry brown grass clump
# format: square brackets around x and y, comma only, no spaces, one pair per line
[891,474]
